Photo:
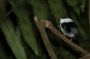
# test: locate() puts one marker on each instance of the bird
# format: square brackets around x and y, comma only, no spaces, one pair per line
[69,29]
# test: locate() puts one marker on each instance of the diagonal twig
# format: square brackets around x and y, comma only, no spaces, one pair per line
[45,38]
[50,26]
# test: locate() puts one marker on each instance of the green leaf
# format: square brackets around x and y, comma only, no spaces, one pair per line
[40,8]
[26,30]
[13,40]
[15,3]
[57,9]
[72,2]
[77,5]
[25,26]
[83,3]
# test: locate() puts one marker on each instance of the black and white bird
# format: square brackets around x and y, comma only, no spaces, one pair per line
[69,28]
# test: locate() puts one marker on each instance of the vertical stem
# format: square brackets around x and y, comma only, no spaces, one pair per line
[45,39]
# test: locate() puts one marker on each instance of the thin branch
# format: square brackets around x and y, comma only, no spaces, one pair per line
[6,16]
[8,13]
[46,41]
[50,26]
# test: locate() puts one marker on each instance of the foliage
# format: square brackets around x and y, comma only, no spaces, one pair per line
[19,36]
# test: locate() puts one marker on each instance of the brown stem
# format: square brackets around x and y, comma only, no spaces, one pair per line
[45,38]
